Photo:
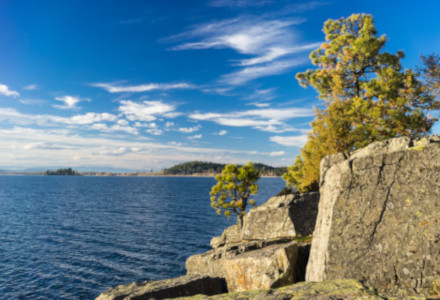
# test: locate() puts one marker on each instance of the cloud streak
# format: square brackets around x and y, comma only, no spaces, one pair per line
[114,88]
[272,43]
[270,119]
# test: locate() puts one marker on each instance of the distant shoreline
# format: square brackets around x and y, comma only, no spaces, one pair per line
[120,175]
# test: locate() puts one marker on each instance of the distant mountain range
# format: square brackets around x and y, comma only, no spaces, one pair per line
[210,168]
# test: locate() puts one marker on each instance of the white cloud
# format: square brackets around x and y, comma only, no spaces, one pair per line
[189,129]
[277,153]
[114,128]
[70,102]
[260,104]
[146,110]
[55,147]
[30,87]
[266,40]
[113,88]
[154,131]
[250,73]
[295,141]
[195,137]
[36,102]
[239,3]
[169,124]
[270,119]
[90,118]
[4,90]
[221,132]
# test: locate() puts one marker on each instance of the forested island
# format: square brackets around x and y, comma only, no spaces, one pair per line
[210,168]
[67,171]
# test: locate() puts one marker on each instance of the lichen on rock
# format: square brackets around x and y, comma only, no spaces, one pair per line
[379,216]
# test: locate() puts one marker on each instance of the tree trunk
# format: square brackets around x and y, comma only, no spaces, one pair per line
[240,221]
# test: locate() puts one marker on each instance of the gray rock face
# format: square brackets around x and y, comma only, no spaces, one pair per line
[279,218]
[379,216]
[282,217]
[168,288]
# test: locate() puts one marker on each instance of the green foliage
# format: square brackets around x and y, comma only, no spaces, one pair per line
[234,187]
[199,167]
[367,95]
[67,171]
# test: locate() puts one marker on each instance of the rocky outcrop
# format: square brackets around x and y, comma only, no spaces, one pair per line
[379,217]
[345,289]
[169,288]
[262,255]
[280,218]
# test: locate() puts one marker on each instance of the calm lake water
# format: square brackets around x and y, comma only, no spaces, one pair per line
[65,237]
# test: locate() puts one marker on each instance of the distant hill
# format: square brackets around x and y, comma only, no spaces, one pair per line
[210,168]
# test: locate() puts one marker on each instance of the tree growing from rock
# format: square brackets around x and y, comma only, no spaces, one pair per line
[367,95]
[235,185]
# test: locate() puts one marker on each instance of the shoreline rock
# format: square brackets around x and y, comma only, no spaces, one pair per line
[379,217]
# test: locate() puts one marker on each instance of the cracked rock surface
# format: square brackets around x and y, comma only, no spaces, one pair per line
[378,218]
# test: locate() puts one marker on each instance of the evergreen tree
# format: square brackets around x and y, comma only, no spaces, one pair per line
[234,187]
[367,95]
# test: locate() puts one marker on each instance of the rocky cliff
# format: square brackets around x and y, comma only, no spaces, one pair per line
[379,217]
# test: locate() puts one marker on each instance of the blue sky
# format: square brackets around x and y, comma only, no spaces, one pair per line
[140,85]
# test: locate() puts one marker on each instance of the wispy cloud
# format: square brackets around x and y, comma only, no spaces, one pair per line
[36,102]
[114,128]
[239,3]
[277,153]
[55,147]
[272,43]
[271,120]
[250,73]
[147,110]
[221,132]
[30,87]
[115,88]
[70,102]
[4,90]
[91,117]
[195,137]
[189,129]
[294,141]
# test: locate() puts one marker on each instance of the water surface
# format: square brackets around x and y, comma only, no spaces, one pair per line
[69,237]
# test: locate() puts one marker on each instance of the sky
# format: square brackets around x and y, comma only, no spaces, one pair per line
[143,85]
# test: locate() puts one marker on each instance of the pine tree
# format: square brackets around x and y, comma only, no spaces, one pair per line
[367,94]
[234,187]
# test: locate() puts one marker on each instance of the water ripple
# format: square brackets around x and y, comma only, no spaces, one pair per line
[74,237]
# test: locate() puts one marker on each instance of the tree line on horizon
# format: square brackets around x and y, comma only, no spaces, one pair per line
[201,167]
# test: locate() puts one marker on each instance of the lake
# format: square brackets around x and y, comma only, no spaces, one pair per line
[72,237]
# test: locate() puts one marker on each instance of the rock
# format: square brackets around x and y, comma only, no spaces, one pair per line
[231,235]
[258,265]
[379,216]
[280,217]
[168,288]
[346,289]
[270,267]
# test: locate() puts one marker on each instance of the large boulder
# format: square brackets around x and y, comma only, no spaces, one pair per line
[379,216]
[168,288]
[255,265]
[281,217]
